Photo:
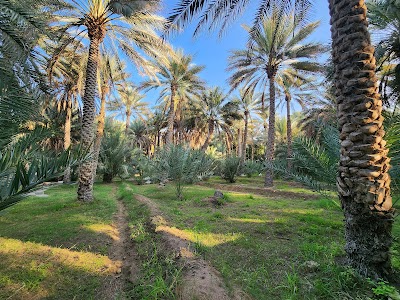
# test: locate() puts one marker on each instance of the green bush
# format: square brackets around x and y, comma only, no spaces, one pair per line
[252,167]
[141,167]
[182,166]
[113,154]
[229,168]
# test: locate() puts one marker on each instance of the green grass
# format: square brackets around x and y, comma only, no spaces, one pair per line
[258,182]
[160,274]
[56,248]
[262,245]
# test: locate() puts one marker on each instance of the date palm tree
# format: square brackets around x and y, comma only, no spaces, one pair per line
[215,111]
[111,74]
[129,102]
[129,24]
[276,52]
[67,75]
[300,90]
[247,102]
[363,181]
[179,80]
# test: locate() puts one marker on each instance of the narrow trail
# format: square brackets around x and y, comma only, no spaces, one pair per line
[123,251]
[200,280]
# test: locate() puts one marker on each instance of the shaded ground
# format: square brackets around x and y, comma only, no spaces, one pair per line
[56,248]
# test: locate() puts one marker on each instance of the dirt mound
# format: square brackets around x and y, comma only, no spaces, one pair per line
[200,280]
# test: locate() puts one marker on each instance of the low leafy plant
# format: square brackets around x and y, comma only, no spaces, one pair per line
[113,154]
[383,290]
[251,168]
[141,166]
[229,168]
[182,166]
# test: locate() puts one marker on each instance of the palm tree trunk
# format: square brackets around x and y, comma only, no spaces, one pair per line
[288,132]
[99,134]
[171,118]
[67,136]
[246,123]
[228,144]
[85,187]
[209,135]
[128,120]
[363,181]
[239,143]
[269,175]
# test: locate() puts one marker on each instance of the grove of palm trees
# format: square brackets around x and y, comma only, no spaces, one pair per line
[139,159]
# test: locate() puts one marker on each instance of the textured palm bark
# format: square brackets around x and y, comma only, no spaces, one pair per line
[363,181]
[209,135]
[228,144]
[239,143]
[171,118]
[288,98]
[85,186]
[128,119]
[269,175]
[100,130]
[245,134]
[67,136]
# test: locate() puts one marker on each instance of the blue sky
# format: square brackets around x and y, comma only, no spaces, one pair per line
[210,50]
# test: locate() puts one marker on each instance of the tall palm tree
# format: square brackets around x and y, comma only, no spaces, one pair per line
[365,194]
[276,52]
[138,135]
[385,17]
[129,102]
[111,74]
[363,181]
[300,90]
[209,107]
[178,80]
[248,102]
[130,24]
[67,75]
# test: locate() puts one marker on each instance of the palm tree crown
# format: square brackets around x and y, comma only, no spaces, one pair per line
[275,52]
[179,81]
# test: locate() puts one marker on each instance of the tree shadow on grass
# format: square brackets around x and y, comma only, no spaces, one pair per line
[34,271]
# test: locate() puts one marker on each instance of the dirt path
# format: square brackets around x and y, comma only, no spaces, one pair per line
[123,251]
[200,280]
[260,191]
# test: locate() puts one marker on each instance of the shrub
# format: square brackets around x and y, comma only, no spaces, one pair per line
[141,166]
[182,165]
[113,154]
[252,167]
[229,168]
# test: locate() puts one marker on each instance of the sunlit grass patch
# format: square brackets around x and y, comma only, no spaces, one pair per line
[275,237]
[107,229]
[206,239]
[56,247]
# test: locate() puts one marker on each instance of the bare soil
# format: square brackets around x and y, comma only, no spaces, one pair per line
[123,251]
[200,280]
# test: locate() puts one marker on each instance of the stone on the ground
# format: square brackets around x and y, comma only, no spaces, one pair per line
[311,265]
[218,194]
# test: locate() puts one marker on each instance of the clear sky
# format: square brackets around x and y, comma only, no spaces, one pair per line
[210,50]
